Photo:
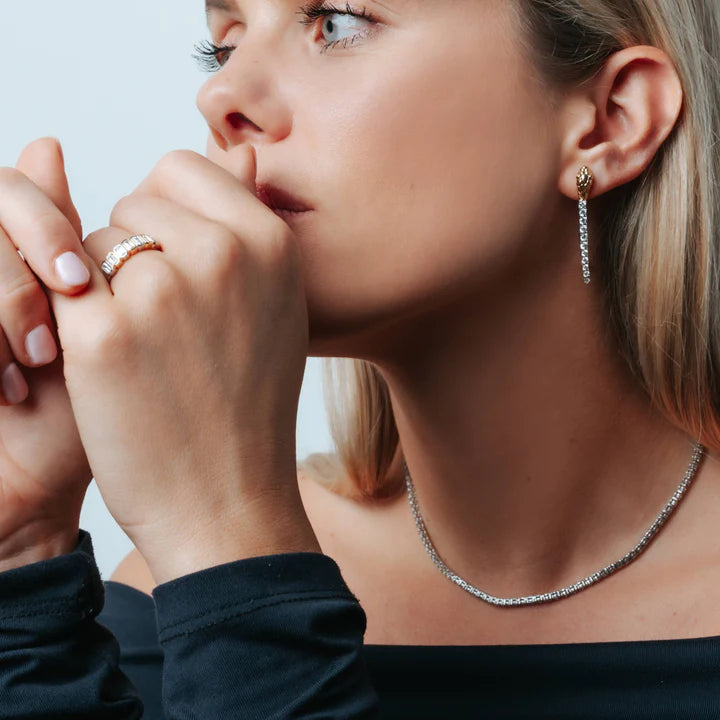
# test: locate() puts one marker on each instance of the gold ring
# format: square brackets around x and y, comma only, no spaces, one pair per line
[120,254]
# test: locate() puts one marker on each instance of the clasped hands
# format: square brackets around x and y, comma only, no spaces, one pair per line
[177,383]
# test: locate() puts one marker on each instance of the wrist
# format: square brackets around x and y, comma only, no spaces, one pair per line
[255,531]
[34,544]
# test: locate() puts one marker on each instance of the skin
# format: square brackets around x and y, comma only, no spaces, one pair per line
[44,471]
[444,249]
[535,456]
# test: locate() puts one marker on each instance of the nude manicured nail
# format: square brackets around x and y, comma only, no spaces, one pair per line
[40,345]
[14,386]
[71,269]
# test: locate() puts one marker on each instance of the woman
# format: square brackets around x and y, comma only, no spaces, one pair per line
[553,400]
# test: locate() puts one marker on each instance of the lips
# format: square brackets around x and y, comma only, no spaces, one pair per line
[278,199]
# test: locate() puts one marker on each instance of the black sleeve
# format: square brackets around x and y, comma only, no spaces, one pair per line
[55,660]
[264,638]
[271,637]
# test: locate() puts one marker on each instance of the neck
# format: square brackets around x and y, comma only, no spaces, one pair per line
[536,457]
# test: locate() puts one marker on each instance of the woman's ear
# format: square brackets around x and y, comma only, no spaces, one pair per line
[616,123]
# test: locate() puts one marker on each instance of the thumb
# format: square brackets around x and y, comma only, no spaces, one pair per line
[43,162]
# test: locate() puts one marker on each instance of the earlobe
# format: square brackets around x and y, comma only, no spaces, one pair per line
[616,124]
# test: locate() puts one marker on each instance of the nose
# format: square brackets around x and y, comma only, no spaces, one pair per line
[242,101]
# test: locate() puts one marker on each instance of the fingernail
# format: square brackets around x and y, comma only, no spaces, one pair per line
[71,269]
[14,386]
[40,345]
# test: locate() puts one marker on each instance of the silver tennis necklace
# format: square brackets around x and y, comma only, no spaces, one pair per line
[586,582]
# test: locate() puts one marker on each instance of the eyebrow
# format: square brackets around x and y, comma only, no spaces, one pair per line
[226,5]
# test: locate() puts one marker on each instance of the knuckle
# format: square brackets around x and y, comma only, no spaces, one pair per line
[93,237]
[172,163]
[51,224]
[9,387]
[117,335]
[10,177]
[217,236]
[222,250]
[159,283]
[22,293]
[121,209]
[102,342]
[99,345]
[279,246]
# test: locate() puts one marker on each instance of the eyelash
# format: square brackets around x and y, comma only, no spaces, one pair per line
[208,55]
[314,10]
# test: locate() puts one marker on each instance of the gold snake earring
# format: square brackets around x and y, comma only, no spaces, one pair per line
[584,183]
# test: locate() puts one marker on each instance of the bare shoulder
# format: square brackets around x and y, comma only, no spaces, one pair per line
[374,543]
[347,526]
[328,510]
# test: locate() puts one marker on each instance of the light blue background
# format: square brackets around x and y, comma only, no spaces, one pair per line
[115,82]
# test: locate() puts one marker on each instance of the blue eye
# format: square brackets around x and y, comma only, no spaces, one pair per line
[315,10]
[211,57]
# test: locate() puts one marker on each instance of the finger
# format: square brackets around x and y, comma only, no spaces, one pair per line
[192,181]
[74,313]
[100,243]
[13,386]
[45,237]
[183,235]
[43,162]
[242,168]
[24,309]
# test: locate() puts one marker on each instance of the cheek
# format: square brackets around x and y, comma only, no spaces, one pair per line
[441,168]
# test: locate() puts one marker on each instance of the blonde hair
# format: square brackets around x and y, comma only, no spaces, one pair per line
[659,262]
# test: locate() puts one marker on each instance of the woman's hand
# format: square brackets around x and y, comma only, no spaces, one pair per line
[44,472]
[184,373]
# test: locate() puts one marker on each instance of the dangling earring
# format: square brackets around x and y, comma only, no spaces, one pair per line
[584,183]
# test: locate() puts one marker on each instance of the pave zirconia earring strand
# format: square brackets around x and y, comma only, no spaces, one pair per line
[584,183]
[567,591]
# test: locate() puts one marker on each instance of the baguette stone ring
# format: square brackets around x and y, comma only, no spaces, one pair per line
[120,254]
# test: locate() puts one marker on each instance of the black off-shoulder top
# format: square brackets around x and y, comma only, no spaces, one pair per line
[638,680]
